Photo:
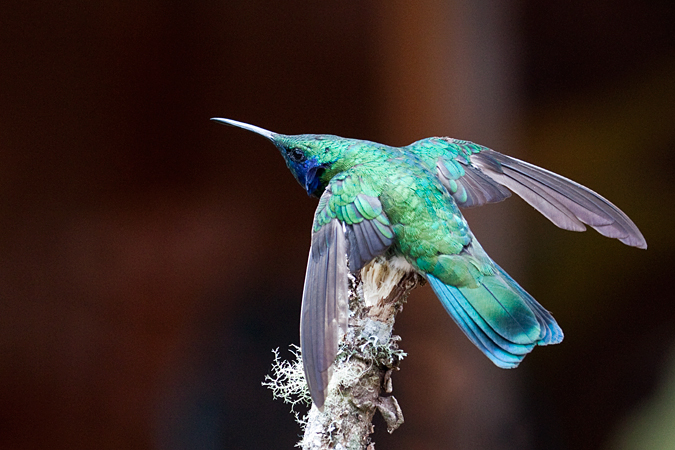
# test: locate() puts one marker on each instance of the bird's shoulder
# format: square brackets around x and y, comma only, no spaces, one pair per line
[352,196]
[434,148]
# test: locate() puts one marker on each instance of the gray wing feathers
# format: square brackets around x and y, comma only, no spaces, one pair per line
[336,249]
[481,188]
[478,187]
[366,241]
[564,202]
[325,306]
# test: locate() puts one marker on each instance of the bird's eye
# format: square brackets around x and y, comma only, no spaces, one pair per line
[296,155]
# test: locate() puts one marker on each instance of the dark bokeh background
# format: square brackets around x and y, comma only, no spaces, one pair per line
[150,259]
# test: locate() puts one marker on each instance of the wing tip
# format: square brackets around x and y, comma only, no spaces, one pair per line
[317,382]
[319,399]
[635,240]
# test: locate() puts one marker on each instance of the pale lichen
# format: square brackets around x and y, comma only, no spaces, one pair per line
[287,382]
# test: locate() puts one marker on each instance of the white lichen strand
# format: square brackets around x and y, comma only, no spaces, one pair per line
[287,382]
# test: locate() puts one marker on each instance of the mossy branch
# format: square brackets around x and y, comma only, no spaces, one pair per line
[361,382]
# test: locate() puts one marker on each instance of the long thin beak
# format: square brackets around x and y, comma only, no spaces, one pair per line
[246,126]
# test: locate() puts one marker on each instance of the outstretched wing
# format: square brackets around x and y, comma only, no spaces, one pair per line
[475,175]
[350,229]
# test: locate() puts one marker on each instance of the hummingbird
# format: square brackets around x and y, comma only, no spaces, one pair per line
[404,203]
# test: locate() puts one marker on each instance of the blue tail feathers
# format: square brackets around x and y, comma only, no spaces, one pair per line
[499,317]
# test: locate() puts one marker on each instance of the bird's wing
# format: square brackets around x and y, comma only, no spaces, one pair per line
[350,229]
[475,175]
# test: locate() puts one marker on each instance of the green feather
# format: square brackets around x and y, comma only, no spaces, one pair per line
[503,310]
[365,209]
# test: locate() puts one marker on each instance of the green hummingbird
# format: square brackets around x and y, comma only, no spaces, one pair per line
[404,203]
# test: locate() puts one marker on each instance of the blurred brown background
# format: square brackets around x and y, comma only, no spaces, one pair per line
[151,259]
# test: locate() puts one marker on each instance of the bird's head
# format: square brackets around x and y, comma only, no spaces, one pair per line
[308,156]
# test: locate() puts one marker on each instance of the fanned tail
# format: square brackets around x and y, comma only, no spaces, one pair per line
[499,317]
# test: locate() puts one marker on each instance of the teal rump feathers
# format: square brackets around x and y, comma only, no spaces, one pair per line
[405,202]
